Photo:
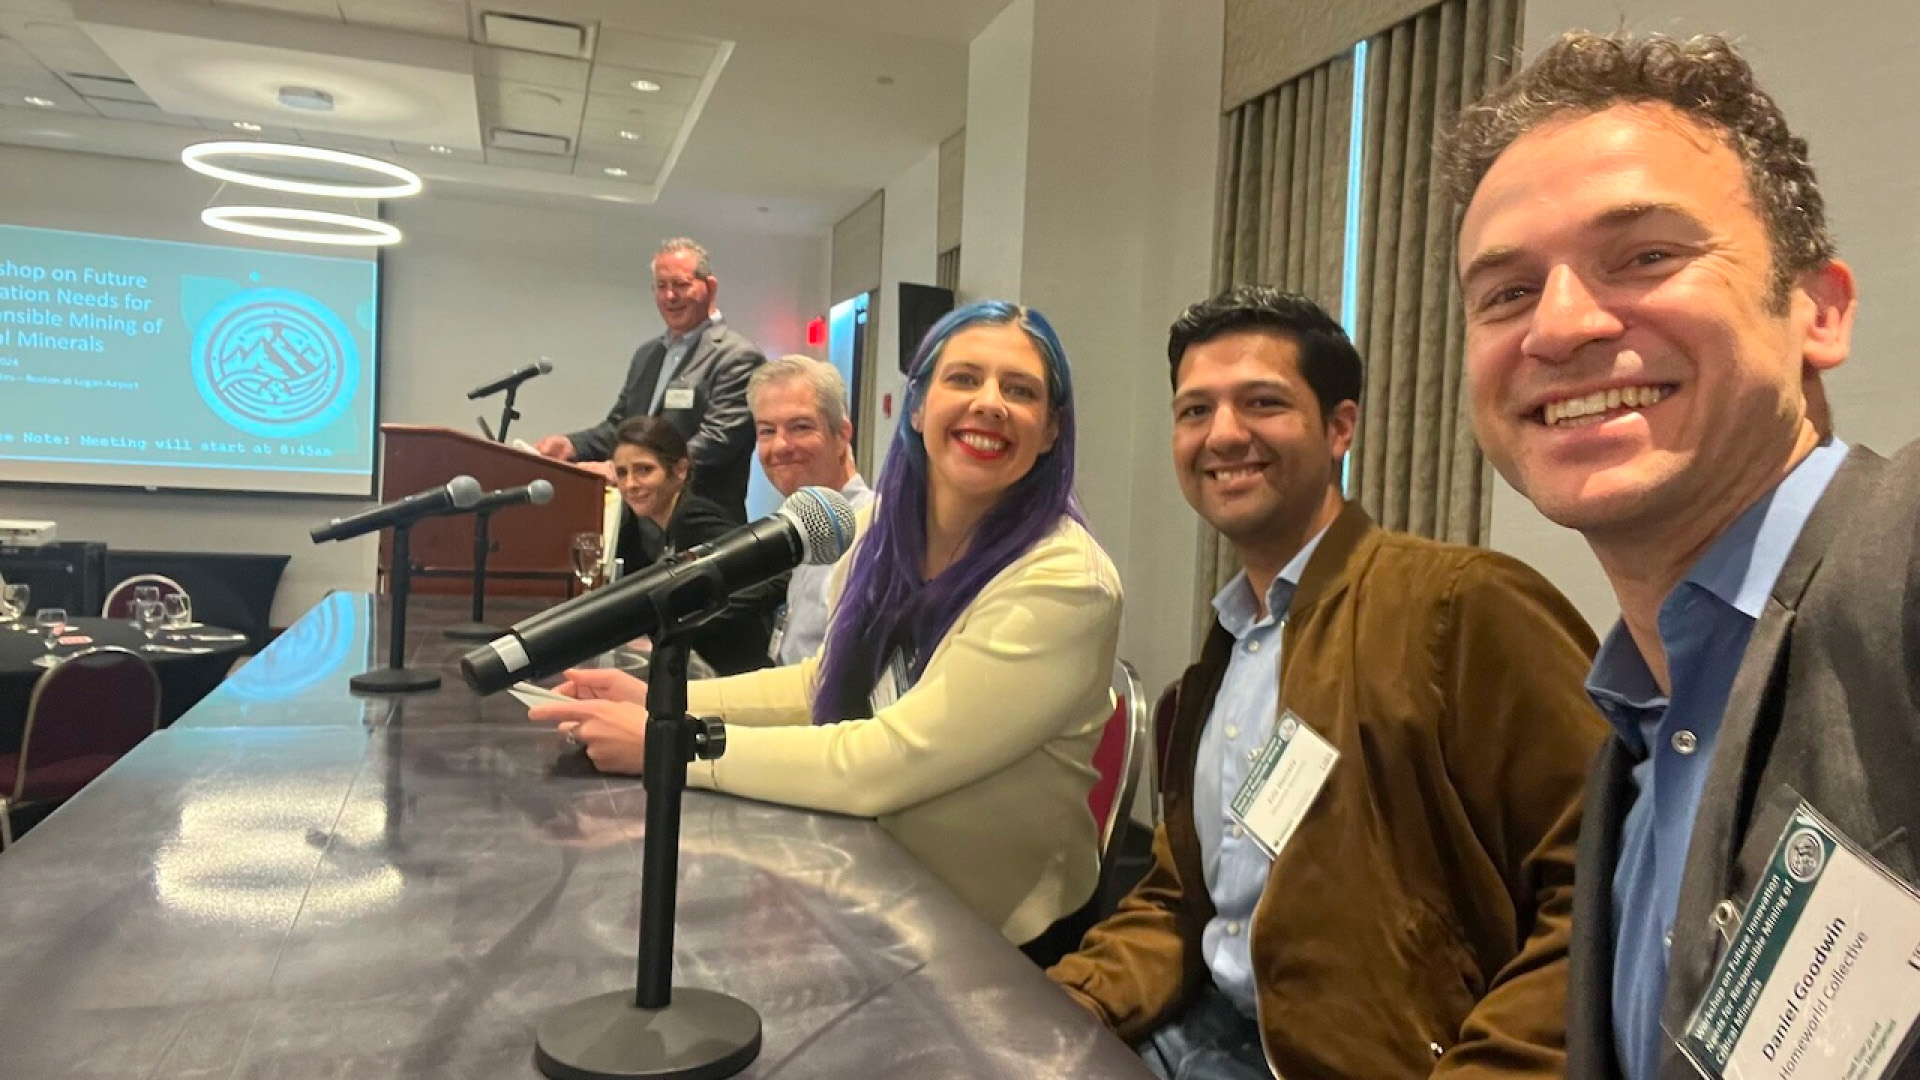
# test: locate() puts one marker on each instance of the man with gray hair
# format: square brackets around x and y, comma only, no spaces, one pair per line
[694,375]
[803,438]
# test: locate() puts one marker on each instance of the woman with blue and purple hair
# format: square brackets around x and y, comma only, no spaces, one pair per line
[965,677]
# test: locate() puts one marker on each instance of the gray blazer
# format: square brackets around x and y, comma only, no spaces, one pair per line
[718,427]
[1825,708]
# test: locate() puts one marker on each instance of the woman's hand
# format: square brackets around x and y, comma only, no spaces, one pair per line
[614,732]
[603,684]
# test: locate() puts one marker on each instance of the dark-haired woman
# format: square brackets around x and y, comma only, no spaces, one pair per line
[650,468]
[965,678]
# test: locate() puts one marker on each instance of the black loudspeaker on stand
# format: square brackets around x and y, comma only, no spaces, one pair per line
[477,629]
[657,1030]
[396,677]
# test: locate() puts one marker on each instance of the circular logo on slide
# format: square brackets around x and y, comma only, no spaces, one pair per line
[275,363]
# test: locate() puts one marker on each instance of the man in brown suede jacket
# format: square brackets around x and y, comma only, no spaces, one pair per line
[1374,778]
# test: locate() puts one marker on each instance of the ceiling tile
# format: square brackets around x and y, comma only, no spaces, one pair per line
[636,160]
[352,143]
[441,18]
[312,9]
[627,111]
[674,89]
[65,100]
[608,132]
[654,52]
[96,88]
[512,65]
[513,159]
[544,109]
[147,113]
[598,169]
[19,68]
[59,44]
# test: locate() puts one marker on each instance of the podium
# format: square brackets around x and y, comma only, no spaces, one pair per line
[530,550]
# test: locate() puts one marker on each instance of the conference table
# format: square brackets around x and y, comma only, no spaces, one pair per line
[294,882]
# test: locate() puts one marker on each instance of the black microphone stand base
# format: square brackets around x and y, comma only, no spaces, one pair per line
[699,1035]
[474,631]
[395,681]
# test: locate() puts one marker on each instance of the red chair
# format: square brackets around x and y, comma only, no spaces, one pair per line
[1119,762]
[119,603]
[84,715]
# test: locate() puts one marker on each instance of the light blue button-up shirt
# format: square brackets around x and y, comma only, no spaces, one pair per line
[677,350]
[1704,625]
[1238,727]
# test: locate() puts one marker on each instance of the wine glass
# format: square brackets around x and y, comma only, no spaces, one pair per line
[142,594]
[149,615]
[14,600]
[179,609]
[589,552]
[51,623]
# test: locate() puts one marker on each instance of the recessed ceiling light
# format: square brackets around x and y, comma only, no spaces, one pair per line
[440,149]
[614,170]
[645,86]
[245,126]
[42,102]
[630,136]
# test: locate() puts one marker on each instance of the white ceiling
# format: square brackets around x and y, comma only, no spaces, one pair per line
[778,115]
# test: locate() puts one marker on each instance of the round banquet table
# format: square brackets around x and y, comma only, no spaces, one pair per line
[190,663]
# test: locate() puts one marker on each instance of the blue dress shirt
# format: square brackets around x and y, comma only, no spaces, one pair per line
[1704,626]
[1238,727]
[677,350]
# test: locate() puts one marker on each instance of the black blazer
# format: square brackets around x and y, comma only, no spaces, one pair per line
[718,426]
[736,640]
[1825,708]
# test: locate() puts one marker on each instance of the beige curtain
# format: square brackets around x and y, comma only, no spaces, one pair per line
[1280,218]
[1415,466]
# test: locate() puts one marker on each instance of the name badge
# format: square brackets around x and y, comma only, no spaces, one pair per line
[892,686]
[1822,980]
[1283,782]
[678,397]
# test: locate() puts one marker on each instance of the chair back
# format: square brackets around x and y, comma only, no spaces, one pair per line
[84,714]
[1164,711]
[119,603]
[1118,760]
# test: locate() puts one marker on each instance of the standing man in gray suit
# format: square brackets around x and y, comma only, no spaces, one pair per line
[1652,299]
[695,376]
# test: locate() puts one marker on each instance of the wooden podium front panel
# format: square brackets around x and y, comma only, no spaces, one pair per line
[530,546]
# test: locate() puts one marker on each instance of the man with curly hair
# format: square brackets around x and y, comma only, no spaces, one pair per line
[1652,300]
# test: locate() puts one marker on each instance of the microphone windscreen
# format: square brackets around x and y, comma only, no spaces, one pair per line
[545,366]
[539,493]
[825,520]
[465,491]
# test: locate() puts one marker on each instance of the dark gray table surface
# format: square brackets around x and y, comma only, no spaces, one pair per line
[294,883]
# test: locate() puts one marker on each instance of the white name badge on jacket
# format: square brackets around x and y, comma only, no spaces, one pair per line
[1283,782]
[678,397]
[1822,980]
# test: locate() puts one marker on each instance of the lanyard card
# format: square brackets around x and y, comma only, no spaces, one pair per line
[1822,980]
[1283,782]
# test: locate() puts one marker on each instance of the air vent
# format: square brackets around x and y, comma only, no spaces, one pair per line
[531,142]
[107,87]
[530,34]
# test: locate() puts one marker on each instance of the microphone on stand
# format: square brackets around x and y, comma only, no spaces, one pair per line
[452,497]
[815,525]
[509,382]
[538,493]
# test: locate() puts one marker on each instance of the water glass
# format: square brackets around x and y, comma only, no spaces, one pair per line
[179,611]
[143,593]
[148,615]
[589,552]
[51,623]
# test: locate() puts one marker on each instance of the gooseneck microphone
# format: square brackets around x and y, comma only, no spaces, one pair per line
[539,493]
[458,494]
[508,382]
[815,525]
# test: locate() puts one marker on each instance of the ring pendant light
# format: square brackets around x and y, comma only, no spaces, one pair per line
[204,158]
[247,221]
